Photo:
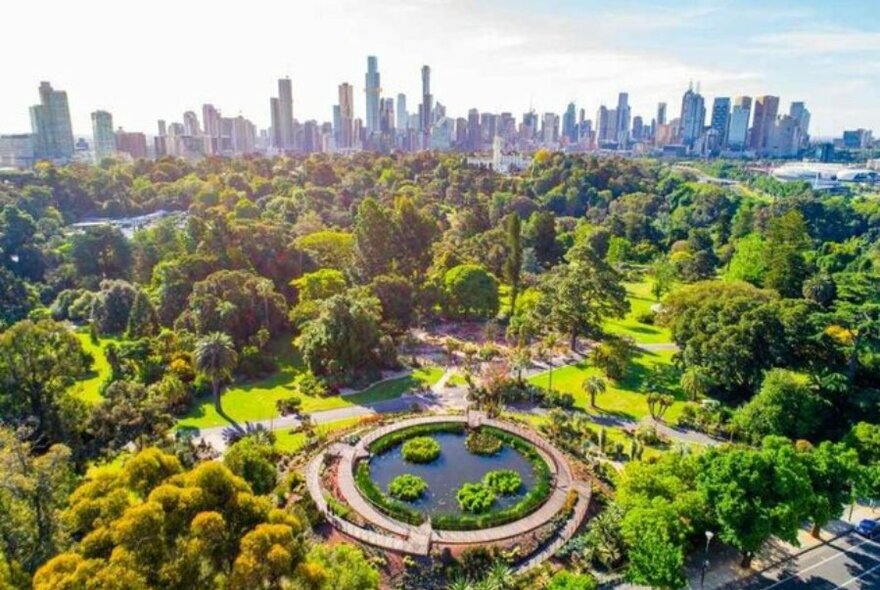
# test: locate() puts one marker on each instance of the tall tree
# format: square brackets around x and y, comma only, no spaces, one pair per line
[216,358]
[787,240]
[513,263]
[374,233]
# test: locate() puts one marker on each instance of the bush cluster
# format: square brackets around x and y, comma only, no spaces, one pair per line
[480,443]
[421,449]
[289,405]
[382,444]
[475,497]
[383,503]
[407,487]
[504,482]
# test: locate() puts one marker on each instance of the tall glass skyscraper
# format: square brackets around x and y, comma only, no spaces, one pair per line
[373,90]
[50,123]
[103,137]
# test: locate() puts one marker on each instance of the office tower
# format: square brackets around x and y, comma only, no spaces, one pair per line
[163,129]
[386,116]
[345,124]
[373,89]
[17,151]
[243,135]
[785,137]
[211,121]
[766,109]
[798,111]
[191,124]
[427,99]
[132,143]
[285,114]
[638,128]
[720,121]
[693,117]
[661,113]
[275,122]
[856,139]
[103,138]
[529,126]
[473,130]
[50,123]
[439,112]
[402,114]
[442,133]
[621,133]
[603,124]
[461,133]
[488,128]
[738,130]
[550,129]
[569,125]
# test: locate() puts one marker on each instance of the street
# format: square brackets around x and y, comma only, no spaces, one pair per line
[849,561]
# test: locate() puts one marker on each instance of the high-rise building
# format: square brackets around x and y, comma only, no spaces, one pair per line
[638,128]
[427,100]
[285,113]
[17,151]
[569,124]
[386,116]
[661,113]
[693,117]
[132,143]
[550,129]
[720,121]
[621,133]
[211,121]
[373,90]
[50,123]
[473,130]
[798,111]
[345,124]
[103,138]
[738,130]
[785,137]
[191,124]
[402,114]
[766,109]
[603,124]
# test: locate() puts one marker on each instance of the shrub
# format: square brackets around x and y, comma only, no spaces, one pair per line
[480,443]
[647,435]
[557,399]
[475,497]
[407,487]
[505,482]
[289,405]
[391,507]
[382,444]
[313,386]
[646,317]
[421,449]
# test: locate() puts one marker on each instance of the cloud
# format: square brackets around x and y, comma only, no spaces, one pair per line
[818,42]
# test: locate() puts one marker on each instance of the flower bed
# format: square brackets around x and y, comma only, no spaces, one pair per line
[407,487]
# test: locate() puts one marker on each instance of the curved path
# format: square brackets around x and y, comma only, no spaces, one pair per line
[418,540]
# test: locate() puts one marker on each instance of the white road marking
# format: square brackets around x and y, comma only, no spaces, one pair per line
[823,562]
[859,577]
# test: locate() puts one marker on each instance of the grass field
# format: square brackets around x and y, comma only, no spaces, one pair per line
[625,398]
[256,400]
[640,301]
[290,442]
[89,389]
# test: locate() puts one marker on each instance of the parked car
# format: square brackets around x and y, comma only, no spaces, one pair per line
[868,528]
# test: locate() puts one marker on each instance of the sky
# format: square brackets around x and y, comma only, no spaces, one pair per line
[144,61]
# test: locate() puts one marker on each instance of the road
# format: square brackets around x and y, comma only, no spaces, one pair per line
[848,562]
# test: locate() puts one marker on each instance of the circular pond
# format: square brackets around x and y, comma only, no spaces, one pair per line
[455,467]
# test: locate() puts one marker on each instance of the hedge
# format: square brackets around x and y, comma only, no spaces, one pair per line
[383,443]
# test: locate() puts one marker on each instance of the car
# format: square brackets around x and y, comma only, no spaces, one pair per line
[868,528]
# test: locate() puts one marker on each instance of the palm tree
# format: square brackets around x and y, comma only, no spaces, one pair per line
[500,576]
[695,382]
[593,386]
[215,358]
[460,583]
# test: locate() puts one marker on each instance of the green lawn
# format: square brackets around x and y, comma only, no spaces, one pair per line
[89,389]
[640,301]
[253,401]
[624,398]
[290,442]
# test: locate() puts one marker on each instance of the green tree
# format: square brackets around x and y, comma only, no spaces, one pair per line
[695,383]
[328,248]
[343,566]
[514,261]
[540,234]
[786,405]
[142,319]
[787,240]
[470,292]
[593,386]
[374,234]
[656,561]
[564,580]
[215,357]
[749,260]
[254,461]
[127,414]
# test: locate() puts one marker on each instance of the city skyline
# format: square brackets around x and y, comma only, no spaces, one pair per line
[499,65]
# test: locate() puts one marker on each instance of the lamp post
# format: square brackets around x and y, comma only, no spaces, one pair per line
[709,535]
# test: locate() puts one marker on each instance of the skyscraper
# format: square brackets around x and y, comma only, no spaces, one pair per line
[602,124]
[211,121]
[693,117]
[798,111]
[50,123]
[103,138]
[621,133]
[427,100]
[345,128]
[738,130]
[766,109]
[191,124]
[720,118]
[285,114]
[373,90]
[275,118]
[473,130]
[569,124]
[661,113]
[402,114]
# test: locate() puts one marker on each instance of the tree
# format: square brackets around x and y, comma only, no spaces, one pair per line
[540,234]
[656,561]
[695,382]
[786,406]
[342,566]
[415,232]
[749,260]
[612,356]
[787,239]
[395,294]
[254,461]
[328,248]
[658,404]
[112,306]
[821,289]
[564,580]
[142,319]
[593,386]
[39,361]
[216,358]
[513,263]
[33,489]
[470,292]
[127,414]
[663,274]
[374,233]
[578,297]
[833,470]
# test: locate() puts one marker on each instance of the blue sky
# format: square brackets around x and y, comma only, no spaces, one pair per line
[144,61]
